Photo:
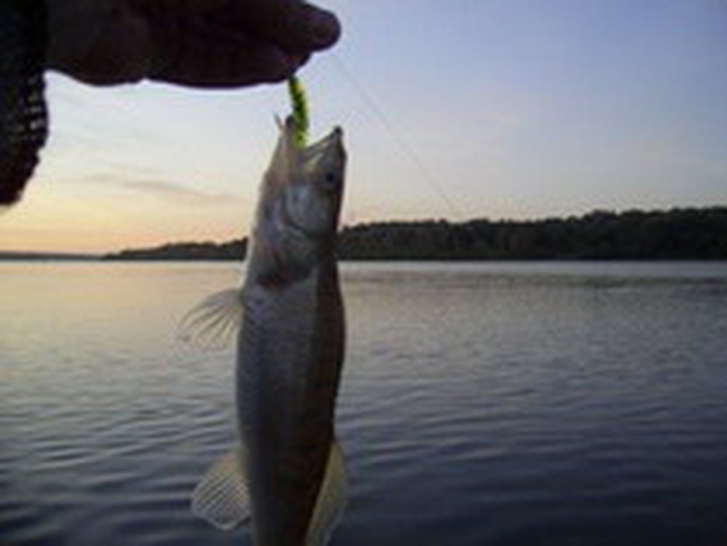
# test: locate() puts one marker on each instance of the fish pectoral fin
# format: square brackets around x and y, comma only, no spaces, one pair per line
[222,497]
[331,500]
[212,323]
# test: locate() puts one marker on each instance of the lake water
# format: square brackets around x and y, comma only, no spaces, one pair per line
[482,404]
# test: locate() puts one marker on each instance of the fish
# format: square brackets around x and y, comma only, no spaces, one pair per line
[287,477]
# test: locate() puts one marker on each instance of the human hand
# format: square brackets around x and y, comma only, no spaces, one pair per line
[200,43]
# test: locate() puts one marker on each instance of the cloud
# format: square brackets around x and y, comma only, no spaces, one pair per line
[177,193]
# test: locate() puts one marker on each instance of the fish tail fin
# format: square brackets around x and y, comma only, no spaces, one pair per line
[214,320]
[222,497]
[331,501]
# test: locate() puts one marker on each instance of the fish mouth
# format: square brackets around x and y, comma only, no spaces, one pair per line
[336,133]
[334,138]
[288,127]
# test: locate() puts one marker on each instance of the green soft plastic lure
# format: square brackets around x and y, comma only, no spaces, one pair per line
[299,102]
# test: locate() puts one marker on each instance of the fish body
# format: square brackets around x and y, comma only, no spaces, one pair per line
[287,476]
[287,379]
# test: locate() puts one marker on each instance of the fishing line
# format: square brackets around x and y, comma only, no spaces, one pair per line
[400,142]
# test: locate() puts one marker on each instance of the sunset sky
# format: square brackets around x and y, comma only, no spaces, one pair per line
[458,109]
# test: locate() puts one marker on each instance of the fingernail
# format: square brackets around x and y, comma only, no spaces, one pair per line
[299,60]
[325,28]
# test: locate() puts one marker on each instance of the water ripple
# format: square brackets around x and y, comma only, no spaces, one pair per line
[487,404]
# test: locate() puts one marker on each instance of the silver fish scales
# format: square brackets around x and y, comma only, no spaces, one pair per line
[287,476]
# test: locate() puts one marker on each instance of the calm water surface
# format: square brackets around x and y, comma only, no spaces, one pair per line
[482,404]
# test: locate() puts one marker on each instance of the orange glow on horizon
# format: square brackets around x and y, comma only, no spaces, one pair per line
[49,221]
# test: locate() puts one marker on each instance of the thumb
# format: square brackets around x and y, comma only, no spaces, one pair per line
[172,8]
[293,25]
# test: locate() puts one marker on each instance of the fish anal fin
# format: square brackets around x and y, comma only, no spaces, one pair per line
[212,323]
[222,497]
[331,500]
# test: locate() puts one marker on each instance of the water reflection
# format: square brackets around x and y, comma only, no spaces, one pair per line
[481,404]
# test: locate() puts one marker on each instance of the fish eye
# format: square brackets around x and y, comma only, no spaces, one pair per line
[331,181]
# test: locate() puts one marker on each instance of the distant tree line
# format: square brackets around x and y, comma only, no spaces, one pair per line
[676,234]
[632,235]
[232,250]
[11,256]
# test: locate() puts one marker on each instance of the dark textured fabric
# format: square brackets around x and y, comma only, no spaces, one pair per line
[23,115]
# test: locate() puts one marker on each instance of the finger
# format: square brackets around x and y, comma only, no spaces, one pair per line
[176,8]
[196,54]
[291,24]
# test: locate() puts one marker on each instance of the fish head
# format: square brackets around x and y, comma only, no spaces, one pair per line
[301,201]
[313,181]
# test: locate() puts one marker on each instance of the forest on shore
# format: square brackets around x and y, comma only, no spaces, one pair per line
[675,234]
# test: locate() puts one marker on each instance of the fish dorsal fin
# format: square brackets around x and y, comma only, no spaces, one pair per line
[213,322]
[222,497]
[331,500]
